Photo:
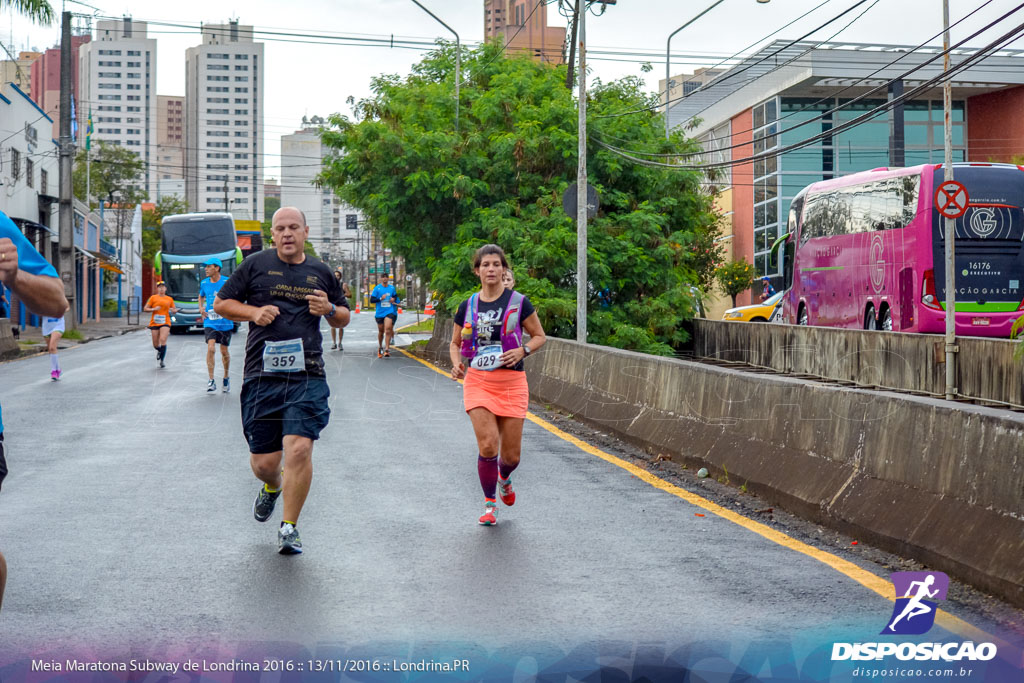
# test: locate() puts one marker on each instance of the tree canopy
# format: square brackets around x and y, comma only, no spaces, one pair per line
[435,195]
[115,174]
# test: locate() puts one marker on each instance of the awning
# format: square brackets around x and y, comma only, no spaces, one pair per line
[105,262]
[24,223]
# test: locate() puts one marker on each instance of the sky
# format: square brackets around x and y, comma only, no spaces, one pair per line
[316,79]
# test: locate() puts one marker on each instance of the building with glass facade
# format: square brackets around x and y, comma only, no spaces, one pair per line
[787,95]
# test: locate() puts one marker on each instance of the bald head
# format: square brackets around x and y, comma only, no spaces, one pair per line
[289,231]
[290,212]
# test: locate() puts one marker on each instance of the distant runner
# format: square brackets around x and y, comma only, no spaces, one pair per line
[338,333]
[161,306]
[488,336]
[283,293]
[53,330]
[385,296]
[217,328]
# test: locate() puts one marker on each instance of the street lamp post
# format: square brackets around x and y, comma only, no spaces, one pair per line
[458,59]
[668,55]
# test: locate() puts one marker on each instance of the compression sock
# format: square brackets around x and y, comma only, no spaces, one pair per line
[163,351]
[266,487]
[54,362]
[505,470]
[487,468]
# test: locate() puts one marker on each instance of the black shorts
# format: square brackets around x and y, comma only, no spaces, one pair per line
[157,327]
[393,316]
[222,337]
[273,408]
[3,461]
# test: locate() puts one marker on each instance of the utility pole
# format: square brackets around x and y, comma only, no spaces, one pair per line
[947,106]
[581,182]
[65,215]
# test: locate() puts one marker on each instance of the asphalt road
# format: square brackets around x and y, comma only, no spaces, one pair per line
[127,526]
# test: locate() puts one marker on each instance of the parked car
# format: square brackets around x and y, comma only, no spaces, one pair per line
[756,313]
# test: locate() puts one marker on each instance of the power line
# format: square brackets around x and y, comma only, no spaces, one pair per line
[822,115]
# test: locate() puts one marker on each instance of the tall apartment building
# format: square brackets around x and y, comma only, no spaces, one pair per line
[117,81]
[19,71]
[45,77]
[523,25]
[170,146]
[333,225]
[684,84]
[224,122]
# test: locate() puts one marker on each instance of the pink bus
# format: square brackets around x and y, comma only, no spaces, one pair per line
[868,251]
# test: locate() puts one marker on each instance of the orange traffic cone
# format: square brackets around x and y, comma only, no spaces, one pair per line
[359,308]
[399,310]
[429,310]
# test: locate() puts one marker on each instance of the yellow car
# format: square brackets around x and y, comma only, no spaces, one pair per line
[755,313]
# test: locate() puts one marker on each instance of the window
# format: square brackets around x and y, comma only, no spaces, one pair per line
[134,75]
[217,67]
[241,156]
[218,78]
[241,134]
[241,56]
[44,181]
[217,55]
[766,186]
[135,64]
[134,53]
[241,178]
[239,112]
[218,122]
[241,167]
[241,67]
[218,144]
[218,133]
[241,79]
[217,100]
[111,53]
[215,88]
[139,109]
[110,97]
[30,172]
[241,189]
[133,98]
[133,143]
[241,100]
[133,86]
[241,90]
[241,122]
[102,63]
[110,86]
[216,111]
[107,107]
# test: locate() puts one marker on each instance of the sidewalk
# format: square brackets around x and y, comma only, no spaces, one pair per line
[91,331]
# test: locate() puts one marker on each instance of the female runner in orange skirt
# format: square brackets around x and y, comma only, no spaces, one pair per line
[488,338]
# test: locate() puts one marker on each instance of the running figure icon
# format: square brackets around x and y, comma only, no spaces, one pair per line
[914,606]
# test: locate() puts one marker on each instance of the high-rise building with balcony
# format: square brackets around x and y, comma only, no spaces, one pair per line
[170,146]
[523,26]
[117,82]
[224,122]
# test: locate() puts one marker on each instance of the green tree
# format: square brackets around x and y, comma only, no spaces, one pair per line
[38,11]
[152,220]
[435,196]
[115,174]
[735,277]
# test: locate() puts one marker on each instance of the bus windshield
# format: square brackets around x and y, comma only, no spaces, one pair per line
[196,235]
[989,237]
[183,278]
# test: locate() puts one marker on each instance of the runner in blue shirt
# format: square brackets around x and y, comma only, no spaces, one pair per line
[385,297]
[27,274]
[218,329]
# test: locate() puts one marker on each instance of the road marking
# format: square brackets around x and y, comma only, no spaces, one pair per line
[865,578]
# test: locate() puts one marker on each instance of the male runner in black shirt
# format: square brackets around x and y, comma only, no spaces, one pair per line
[282,294]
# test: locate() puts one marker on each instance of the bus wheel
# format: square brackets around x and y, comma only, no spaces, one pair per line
[870,321]
[801,317]
[886,322]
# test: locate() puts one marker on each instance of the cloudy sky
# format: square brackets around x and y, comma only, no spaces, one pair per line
[316,76]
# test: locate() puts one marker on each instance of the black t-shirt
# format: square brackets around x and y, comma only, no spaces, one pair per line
[263,279]
[489,316]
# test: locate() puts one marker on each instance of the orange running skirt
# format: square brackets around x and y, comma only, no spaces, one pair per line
[502,392]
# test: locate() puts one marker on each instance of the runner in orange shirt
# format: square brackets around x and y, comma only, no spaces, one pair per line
[161,306]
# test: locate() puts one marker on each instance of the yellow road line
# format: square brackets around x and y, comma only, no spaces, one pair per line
[865,578]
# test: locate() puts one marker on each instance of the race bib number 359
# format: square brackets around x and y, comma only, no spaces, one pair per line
[284,356]
[487,358]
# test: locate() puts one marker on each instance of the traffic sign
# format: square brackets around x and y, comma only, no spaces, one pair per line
[951,199]
[569,201]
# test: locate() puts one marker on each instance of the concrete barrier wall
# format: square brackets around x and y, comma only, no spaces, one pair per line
[932,480]
[986,368]
[8,344]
